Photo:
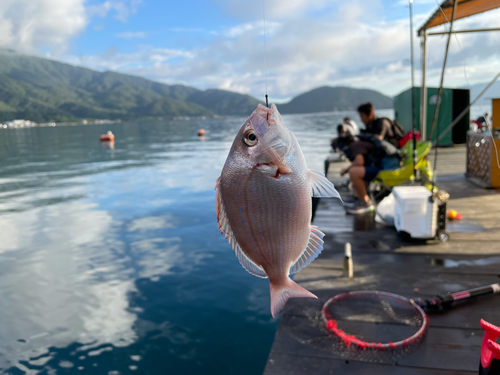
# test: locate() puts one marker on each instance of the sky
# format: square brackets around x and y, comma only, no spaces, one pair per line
[225,44]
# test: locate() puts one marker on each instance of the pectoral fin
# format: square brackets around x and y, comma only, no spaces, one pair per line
[321,187]
[311,252]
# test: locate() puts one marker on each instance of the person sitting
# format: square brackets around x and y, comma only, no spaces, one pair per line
[369,155]
[361,170]
[380,127]
[483,121]
[345,128]
[351,126]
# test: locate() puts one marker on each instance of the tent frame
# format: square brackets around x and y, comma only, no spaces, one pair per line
[422,32]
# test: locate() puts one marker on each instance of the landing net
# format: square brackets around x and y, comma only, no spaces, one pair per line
[375,320]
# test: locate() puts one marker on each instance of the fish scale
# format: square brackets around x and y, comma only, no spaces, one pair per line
[264,204]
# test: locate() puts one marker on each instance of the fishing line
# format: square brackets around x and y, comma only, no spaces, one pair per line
[490,126]
[265,47]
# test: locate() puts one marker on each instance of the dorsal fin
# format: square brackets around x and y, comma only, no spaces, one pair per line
[225,228]
[311,252]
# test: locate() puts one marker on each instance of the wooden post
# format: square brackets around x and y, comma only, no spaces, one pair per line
[348,266]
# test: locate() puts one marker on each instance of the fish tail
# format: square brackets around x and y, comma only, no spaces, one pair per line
[281,293]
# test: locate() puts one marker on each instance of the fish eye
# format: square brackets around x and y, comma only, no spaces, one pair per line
[250,138]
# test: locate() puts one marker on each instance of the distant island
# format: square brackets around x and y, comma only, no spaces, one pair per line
[46,91]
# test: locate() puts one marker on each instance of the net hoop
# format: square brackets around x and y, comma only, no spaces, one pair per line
[331,324]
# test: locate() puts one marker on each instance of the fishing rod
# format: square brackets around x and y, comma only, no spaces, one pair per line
[440,92]
[447,300]
[413,95]
[464,112]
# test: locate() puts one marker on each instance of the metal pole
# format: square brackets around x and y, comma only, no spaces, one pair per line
[423,90]
[464,112]
[413,95]
[438,101]
[465,31]
[440,91]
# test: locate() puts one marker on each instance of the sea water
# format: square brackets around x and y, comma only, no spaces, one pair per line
[111,260]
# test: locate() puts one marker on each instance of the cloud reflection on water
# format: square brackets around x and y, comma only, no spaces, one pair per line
[53,281]
[105,261]
[68,274]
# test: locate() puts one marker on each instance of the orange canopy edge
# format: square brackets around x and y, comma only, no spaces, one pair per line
[465,8]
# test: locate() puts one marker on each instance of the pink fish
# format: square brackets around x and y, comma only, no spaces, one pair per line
[263,204]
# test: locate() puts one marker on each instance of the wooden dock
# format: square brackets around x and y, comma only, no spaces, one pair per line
[382,261]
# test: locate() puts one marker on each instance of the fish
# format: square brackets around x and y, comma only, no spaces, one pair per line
[264,205]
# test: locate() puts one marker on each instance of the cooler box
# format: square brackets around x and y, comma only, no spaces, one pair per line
[414,213]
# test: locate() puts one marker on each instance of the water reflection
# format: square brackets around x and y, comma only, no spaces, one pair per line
[111,260]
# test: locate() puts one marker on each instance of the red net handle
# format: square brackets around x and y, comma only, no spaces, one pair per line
[489,349]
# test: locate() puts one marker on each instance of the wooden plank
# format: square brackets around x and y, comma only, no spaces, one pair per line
[368,263]
[286,364]
[383,261]
[442,348]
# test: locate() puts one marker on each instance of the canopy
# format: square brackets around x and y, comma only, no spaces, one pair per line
[465,8]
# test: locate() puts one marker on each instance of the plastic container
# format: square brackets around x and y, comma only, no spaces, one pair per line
[414,212]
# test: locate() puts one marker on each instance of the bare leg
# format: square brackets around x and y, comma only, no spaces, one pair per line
[357,173]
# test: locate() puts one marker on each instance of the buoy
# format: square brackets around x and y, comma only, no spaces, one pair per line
[201,132]
[109,137]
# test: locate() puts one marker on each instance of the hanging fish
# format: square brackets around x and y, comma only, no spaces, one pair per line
[263,204]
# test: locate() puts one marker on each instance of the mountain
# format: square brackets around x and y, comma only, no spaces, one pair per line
[218,101]
[45,90]
[327,99]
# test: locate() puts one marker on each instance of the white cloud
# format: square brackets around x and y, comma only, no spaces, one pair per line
[27,25]
[33,25]
[122,10]
[252,27]
[309,44]
[112,59]
[304,53]
[132,35]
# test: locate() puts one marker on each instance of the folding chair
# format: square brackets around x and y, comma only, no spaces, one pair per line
[385,180]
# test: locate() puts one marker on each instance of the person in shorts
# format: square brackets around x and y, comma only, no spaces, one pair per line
[361,171]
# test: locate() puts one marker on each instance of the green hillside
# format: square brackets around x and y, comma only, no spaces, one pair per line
[328,99]
[219,102]
[43,90]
